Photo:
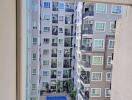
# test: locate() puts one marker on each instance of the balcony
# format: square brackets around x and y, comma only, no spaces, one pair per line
[54,44]
[88,31]
[88,13]
[69,7]
[67,65]
[68,55]
[54,21]
[53,76]
[54,55]
[86,48]
[67,32]
[85,77]
[55,6]
[55,30]
[85,64]
[53,65]
[84,94]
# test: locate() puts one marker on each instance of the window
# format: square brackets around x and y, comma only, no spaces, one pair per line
[46,62]
[61,5]
[45,51]
[61,18]
[96,76]
[34,71]
[45,73]
[46,17]
[108,76]
[99,43]
[46,41]
[34,86]
[34,24]
[34,57]
[34,41]
[54,18]
[100,26]
[46,29]
[101,8]
[59,73]
[46,4]
[116,9]
[109,60]
[112,26]
[111,44]
[60,30]
[97,60]
[95,92]
[55,6]
[34,98]
[60,41]
[107,92]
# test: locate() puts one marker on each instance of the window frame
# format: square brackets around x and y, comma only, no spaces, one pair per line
[109,43]
[104,30]
[97,56]
[97,47]
[115,13]
[107,76]
[99,91]
[96,10]
[105,92]
[108,60]
[96,73]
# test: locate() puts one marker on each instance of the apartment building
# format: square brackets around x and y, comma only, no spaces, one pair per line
[51,46]
[95,33]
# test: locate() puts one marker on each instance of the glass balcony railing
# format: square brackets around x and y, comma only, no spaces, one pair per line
[84,94]
[85,64]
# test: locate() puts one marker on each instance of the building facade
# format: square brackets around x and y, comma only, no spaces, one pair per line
[94,51]
[70,41]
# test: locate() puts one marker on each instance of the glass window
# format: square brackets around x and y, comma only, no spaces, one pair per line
[95,92]
[34,71]
[59,73]
[45,73]
[111,44]
[108,76]
[34,41]
[112,26]
[46,17]
[34,24]
[109,60]
[101,8]
[46,41]
[99,43]
[116,9]
[61,18]
[107,92]
[46,29]
[60,30]
[34,57]
[46,62]
[97,60]
[100,26]
[61,5]
[45,51]
[46,4]
[34,98]
[34,86]
[60,41]
[96,76]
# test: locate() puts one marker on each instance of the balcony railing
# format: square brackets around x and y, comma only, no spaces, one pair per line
[68,44]
[68,34]
[54,44]
[86,64]
[67,65]
[85,79]
[88,13]
[66,76]
[54,21]
[68,55]
[89,31]
[54,65]
[54,55]
[84,94]
[86,48]
[53,76]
